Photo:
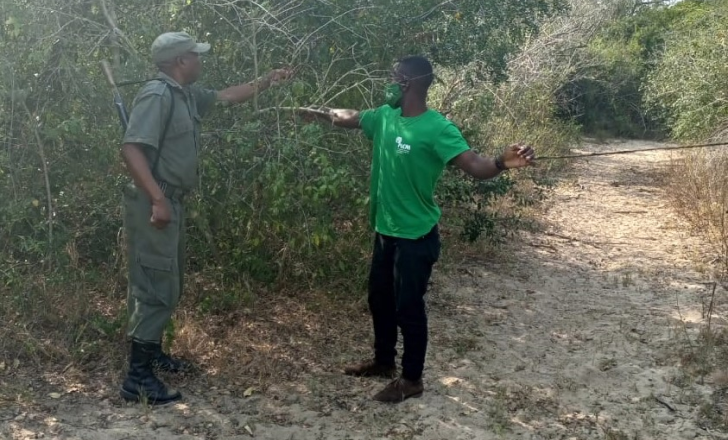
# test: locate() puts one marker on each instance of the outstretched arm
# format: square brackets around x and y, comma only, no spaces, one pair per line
[479,167]
[339,117]
[245,92]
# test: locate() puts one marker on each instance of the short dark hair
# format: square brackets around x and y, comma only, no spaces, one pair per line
[417,69]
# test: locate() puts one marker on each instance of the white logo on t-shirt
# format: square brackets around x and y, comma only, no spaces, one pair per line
[402,148]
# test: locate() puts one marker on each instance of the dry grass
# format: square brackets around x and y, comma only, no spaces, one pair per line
[78,344]
[276,339]
[698,187]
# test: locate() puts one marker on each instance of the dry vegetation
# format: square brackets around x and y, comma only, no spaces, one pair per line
[268,301]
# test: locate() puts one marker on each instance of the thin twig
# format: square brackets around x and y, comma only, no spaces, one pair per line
[665,403]
[682,322]
[613,153]
[46,178]
[114,33]
[710,307]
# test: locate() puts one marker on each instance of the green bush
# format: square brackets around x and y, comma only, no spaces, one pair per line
[282,203]
[605,92]
[688,87]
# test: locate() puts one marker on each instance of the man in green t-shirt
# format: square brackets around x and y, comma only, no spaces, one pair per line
[412,146]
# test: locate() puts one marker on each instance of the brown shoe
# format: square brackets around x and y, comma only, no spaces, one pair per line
[371,368]
[400,389]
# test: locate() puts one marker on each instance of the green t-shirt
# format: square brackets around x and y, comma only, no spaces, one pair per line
[408,158]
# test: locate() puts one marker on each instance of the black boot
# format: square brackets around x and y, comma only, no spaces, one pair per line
[141,385]
[164,362]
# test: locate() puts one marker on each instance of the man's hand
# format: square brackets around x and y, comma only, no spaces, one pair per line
[515,156]
[161,215]
[245,92]
[340,117]
[278,76]
[518,156]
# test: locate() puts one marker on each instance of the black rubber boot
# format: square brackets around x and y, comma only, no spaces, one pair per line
[164,362]
[141,385]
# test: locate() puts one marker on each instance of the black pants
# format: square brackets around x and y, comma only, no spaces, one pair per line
[400,271]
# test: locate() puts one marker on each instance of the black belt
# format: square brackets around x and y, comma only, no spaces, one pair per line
[171,191]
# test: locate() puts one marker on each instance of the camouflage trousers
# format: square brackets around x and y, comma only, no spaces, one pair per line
[155,265]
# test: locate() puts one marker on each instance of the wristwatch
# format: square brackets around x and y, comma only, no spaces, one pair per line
[499,164]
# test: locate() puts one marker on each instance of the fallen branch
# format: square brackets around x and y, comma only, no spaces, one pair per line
[564,237]
[665,403]
[546,246]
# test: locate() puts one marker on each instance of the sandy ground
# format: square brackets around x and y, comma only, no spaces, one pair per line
[572,334]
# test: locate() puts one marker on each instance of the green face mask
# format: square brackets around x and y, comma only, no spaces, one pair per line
[393,95]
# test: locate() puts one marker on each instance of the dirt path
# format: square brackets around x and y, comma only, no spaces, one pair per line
[573,336]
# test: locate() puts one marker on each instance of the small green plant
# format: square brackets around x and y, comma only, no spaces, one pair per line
[465,345]
[614,434]
[498,415]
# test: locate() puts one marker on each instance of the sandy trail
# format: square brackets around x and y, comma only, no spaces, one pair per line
[572,335]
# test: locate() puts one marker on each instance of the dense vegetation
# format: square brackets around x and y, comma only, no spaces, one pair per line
[655,72]
[282,203]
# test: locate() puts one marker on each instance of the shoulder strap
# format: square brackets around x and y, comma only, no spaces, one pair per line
[164,131]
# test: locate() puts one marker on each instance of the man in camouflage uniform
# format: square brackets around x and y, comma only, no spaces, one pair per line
[160,150]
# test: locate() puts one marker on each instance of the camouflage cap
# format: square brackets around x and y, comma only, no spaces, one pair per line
[173,44]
